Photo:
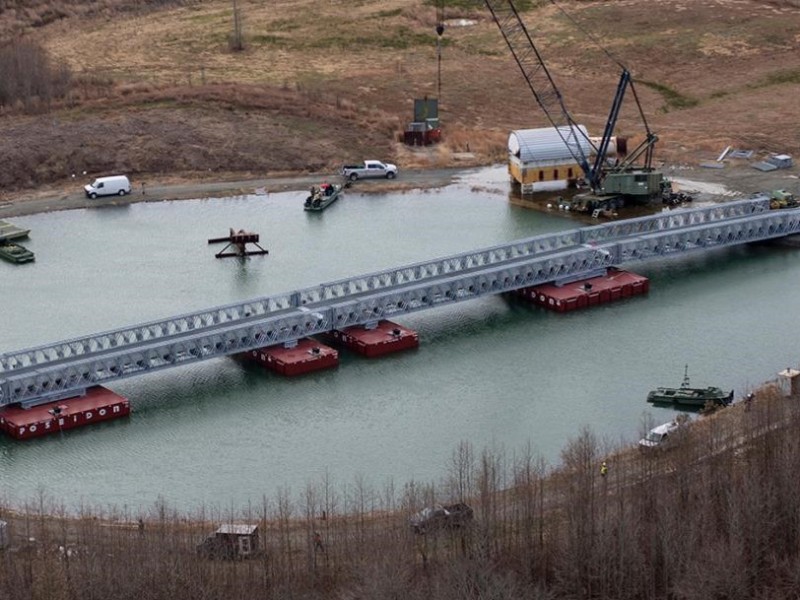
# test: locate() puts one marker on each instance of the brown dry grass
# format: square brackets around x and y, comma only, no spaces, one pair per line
[322,82]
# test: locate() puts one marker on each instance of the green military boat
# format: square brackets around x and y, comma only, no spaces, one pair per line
[688,397]
[15,253]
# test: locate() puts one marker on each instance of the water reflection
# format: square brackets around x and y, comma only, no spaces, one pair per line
[491,370]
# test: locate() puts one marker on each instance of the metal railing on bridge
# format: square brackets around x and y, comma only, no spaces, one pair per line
[64,368]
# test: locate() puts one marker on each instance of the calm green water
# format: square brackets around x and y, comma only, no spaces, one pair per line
[494,372]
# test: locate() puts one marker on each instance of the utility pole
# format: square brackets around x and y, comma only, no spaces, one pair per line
[439,32]
[237,44]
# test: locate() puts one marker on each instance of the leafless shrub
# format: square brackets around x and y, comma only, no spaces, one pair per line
[17,16]
[29,79]
[716,516]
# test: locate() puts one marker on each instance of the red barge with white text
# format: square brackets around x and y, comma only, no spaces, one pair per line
[96,405]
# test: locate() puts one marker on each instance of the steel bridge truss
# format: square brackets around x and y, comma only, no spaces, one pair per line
[67,368]
[213,318]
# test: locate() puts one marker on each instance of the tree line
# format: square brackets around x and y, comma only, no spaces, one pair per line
[29,79]
[716,516]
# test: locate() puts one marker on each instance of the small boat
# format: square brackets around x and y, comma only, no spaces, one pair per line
[689,397]
[10,232]
[15,253]
[322,197]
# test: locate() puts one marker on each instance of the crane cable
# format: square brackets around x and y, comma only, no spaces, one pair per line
[610,56]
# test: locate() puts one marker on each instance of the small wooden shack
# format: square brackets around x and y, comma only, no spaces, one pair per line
[231,541]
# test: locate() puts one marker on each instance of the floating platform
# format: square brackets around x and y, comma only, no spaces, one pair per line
[98,404]
[614,285]
[10,232]
[385,338]
[237,244]
[307,356]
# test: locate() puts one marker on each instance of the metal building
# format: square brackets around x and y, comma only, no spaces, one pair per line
[538,159]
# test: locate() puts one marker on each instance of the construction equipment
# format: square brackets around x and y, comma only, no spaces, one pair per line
[611,184]
[782,199]
[237,242]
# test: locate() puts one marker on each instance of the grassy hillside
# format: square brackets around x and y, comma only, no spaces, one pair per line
[156,89]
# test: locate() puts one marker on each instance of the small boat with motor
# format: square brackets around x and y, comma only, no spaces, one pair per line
[322,197]
[686,396]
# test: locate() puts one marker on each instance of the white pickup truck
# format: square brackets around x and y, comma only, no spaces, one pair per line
[369,168]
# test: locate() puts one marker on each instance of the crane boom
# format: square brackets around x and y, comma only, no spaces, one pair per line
[596,175]
[549,98]
[538,77]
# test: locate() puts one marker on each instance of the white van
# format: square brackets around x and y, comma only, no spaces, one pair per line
[664,435]
[108,186]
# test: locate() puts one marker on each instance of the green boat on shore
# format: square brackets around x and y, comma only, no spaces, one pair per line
[688,397]
[15,253]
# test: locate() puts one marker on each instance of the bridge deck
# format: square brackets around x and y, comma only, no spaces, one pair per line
[43,373]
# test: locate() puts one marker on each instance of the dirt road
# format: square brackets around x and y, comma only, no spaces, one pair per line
[72,197]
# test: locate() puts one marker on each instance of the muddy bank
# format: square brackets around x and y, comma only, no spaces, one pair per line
[732,180]
[69,197]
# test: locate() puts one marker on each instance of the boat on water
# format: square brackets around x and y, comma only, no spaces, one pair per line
[688,397]
[322,197]
[10,232]
[15,253]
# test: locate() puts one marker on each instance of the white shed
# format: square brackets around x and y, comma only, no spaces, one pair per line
[539,158]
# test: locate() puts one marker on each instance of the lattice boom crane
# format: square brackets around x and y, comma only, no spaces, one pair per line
[621,180]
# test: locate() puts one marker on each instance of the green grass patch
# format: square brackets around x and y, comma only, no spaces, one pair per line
[301,126]
[283,25]
[399,39]
[266,39]
[390,13]
[790,77]
[521,5]
[673,100]
[782,77]
[158,103]
[209,17]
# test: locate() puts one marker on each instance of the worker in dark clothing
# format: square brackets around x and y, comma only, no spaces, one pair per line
[318,542]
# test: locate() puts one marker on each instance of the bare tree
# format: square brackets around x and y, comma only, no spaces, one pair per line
[236,42]
[28,77]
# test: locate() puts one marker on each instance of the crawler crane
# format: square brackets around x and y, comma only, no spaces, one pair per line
[614,184]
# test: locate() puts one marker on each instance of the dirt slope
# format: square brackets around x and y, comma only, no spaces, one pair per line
[158,93]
